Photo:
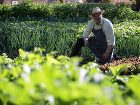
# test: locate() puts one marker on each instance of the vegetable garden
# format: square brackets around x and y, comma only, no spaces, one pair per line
[35,67]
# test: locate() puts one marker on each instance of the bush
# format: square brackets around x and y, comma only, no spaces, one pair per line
[65,12]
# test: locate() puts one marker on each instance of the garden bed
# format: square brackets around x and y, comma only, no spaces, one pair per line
[132,65]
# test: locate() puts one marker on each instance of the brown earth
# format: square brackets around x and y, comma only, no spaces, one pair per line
[133,68]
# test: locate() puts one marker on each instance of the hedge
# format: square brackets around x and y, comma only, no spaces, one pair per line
[78,12]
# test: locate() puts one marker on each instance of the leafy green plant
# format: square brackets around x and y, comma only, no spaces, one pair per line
[44,79]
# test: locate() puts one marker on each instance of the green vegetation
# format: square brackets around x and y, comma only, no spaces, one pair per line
[60,36]
[35,42]
[35,79]
[69,12]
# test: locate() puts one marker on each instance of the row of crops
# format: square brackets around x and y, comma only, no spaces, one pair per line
[37,79]
[61,36]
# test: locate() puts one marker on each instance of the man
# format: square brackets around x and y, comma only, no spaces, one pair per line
[103,41]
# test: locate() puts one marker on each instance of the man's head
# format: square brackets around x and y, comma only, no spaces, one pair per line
[97,14]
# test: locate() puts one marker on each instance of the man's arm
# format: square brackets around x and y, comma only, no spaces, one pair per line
[110,37]
[87,32]
[109,32]
[109,48]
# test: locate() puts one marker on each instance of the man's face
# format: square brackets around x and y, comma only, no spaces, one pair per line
[97,17]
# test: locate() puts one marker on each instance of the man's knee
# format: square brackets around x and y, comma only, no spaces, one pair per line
[80,40]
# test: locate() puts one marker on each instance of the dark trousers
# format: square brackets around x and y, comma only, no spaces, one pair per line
[80,43]
[78,46]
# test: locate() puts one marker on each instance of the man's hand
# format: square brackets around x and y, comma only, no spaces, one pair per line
[105,56]
[107,52]
[86,42]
